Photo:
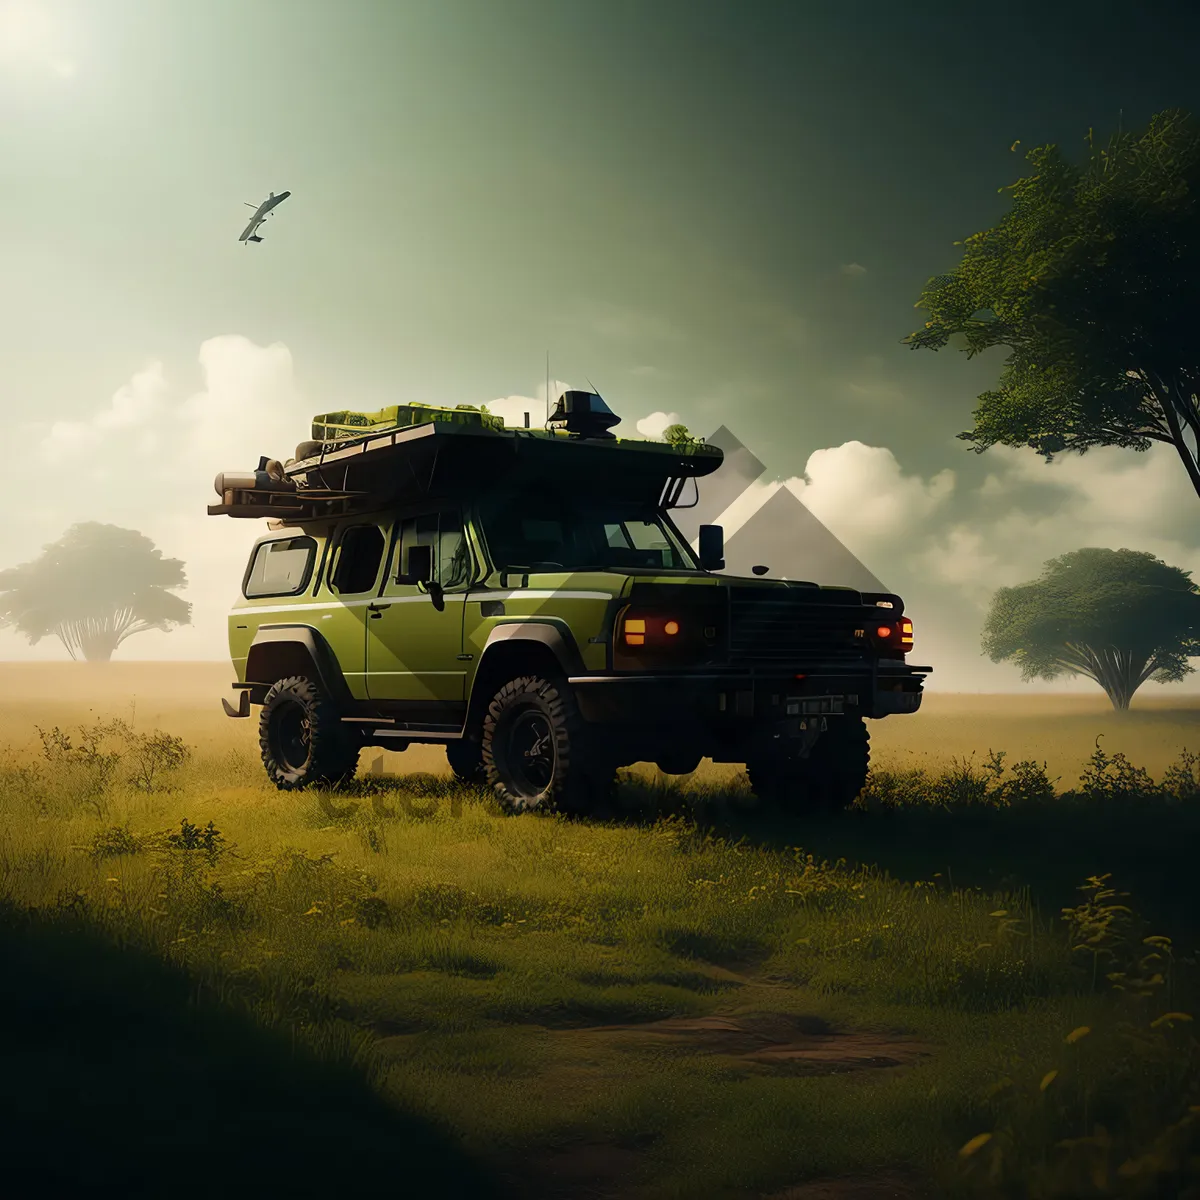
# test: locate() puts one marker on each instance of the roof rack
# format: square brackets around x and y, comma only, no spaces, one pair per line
[390,463]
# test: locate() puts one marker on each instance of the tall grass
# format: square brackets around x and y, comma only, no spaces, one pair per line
[460,959]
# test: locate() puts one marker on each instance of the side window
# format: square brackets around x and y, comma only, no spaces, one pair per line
[359,554]
[454,552]
[280,568]
[448,549]
[414,531]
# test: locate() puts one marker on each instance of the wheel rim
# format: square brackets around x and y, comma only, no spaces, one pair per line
[291,736]
[529,754]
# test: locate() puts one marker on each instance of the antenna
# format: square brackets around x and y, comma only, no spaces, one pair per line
[547,387]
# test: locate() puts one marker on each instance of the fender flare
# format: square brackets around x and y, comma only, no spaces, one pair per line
[276,645]
[551,633]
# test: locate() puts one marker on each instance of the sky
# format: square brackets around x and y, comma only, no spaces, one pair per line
[716,213]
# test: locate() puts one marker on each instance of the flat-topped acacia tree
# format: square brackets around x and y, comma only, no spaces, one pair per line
[1118,617]
[1092,282]
[93,588]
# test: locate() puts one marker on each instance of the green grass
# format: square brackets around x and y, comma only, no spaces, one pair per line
[440,967]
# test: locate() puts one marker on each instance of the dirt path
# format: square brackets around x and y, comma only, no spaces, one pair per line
[760,1041]
[795,1044]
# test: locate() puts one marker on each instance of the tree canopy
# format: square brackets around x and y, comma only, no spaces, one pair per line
[1118,617]
[93,588]
[680,436]
[1092,280]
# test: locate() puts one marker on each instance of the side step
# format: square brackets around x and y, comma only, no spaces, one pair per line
[406,731]
[401,731]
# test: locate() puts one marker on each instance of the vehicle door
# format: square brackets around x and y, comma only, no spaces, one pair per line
[349,585]
[414,630]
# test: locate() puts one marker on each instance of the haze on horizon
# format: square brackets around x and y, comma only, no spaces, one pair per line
[718,213]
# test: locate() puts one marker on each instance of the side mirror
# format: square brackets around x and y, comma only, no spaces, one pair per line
[420,564]
[712,547]
[434,591]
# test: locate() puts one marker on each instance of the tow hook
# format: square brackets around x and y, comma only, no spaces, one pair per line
[243,708]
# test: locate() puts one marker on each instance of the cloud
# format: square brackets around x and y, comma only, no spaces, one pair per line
[862,493]
[853,269]
[146,460]
[131,410]
[859,492]
[652,427]
[1029,511]
[514,408]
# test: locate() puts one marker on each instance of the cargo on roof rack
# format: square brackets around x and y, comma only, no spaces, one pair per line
[337,426]
[412,452]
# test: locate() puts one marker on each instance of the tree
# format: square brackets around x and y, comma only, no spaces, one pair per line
[680,437]
[93,588]
[1092,280]
[1119,617]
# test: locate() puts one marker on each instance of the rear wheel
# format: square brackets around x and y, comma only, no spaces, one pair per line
[535,753]
[302,738]
[828,780]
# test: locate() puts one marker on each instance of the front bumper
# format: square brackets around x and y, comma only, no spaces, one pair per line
[724,700]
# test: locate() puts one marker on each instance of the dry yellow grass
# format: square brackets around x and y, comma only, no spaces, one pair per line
[185,699]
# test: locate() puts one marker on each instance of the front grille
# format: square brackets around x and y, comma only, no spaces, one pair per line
[769,627]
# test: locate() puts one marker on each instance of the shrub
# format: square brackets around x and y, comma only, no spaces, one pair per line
[1114,777]
[113,842]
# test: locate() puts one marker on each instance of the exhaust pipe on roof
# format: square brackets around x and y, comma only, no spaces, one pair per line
[268,478]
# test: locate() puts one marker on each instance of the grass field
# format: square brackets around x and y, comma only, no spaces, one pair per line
[696,1000]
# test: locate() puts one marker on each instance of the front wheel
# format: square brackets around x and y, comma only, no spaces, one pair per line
[534,749]
[828,780]
[302,738]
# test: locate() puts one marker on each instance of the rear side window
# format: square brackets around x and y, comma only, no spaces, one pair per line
[280,568]
[358,560]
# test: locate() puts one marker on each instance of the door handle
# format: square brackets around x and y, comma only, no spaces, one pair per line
[376,610]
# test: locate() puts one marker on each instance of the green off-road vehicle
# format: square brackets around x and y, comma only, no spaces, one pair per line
[523,597]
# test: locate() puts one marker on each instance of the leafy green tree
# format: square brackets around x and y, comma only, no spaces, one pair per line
[1119,617]
[680,437]
[93,588]
[1092,281]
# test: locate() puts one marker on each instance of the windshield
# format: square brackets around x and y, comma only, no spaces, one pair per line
[547,534]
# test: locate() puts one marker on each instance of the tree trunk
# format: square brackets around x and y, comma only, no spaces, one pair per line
[94,640]
[1178,402]
[1119,672]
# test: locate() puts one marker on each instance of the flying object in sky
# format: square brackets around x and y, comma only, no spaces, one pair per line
[261,212]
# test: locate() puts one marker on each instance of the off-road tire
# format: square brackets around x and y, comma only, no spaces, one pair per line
[465,757]
[827,781]
[542,711]
[302,738]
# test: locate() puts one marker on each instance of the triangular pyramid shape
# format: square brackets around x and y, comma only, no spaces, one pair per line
[720,489]
[784,536]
